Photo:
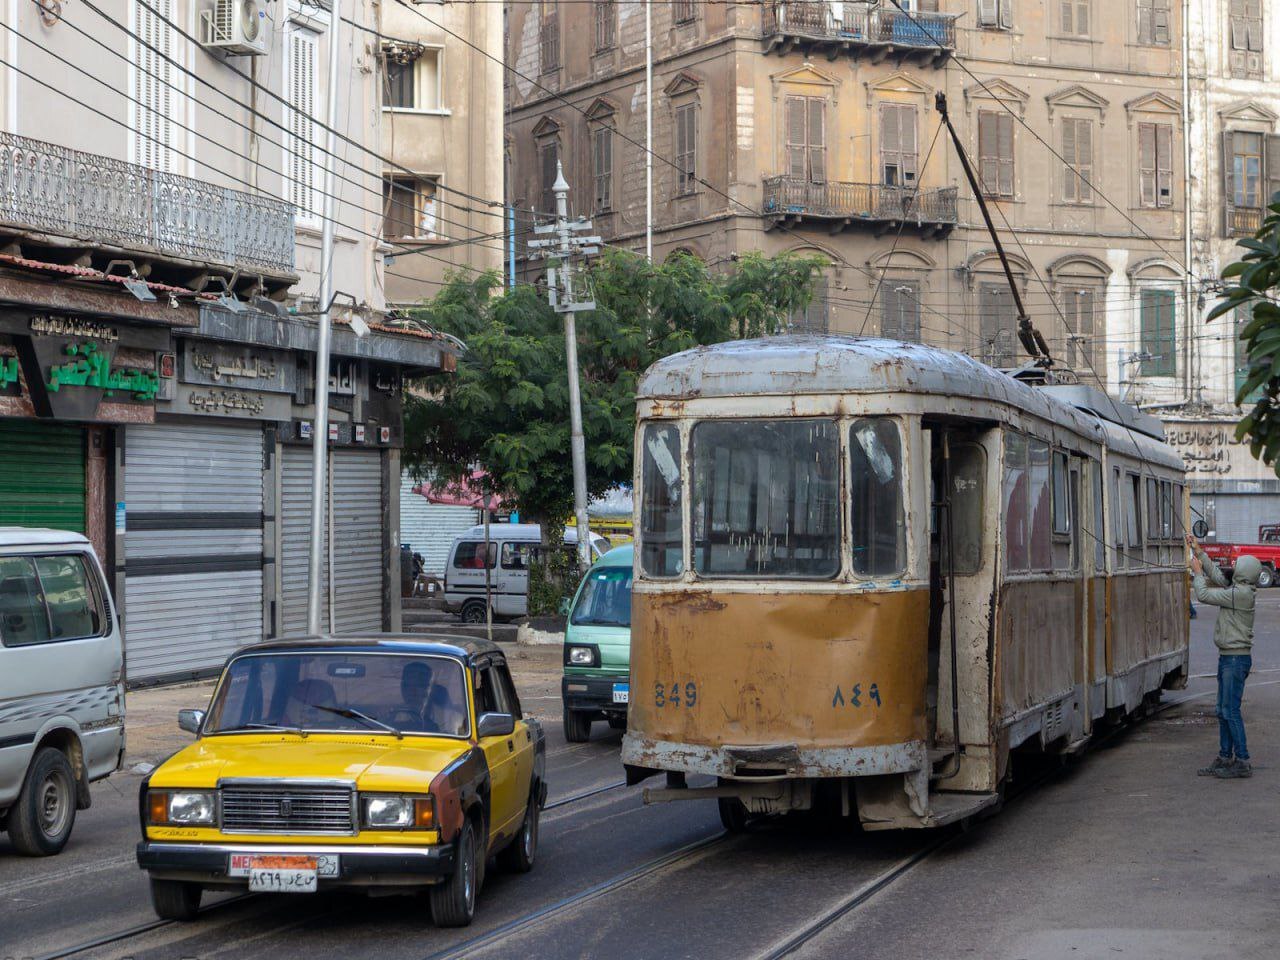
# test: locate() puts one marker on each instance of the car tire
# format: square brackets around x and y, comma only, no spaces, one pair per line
[1266,578]
[733,814]
[453,902]
[519,854]
[472,612]
[175,899]
[41,820]
[577,726]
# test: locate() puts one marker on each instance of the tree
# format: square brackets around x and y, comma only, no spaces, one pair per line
[506,406]
[1256,276]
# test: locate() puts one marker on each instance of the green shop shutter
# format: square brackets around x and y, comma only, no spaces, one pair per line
[41,475]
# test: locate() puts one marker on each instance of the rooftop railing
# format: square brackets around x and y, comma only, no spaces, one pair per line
[856,25]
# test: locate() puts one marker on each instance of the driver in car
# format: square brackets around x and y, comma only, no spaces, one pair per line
[435,708]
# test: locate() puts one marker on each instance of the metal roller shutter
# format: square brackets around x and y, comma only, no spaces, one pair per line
[193,546]
[356,518]
[430,528]
[41,475]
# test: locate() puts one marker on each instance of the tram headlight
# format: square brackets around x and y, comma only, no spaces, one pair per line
[582,655]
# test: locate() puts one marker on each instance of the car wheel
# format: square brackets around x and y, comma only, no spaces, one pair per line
[453,902]
[577,726]
[518,856]
[175,899]
[472,611]
[733,814]
[41,820]
[1266,578]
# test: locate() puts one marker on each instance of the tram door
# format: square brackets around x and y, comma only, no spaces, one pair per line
[961,581]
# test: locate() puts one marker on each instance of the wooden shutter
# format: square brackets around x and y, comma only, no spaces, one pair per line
[1158,332]
[795,137]
[890,146]
[303,175]
[1084,154]
[154,86]
[1004,152]
[548,153]
[1164,165]
[817,140]
[1160,22]
[994,302]
[988,13]
[602,163]
[988,152]
[1147,164]
[1070,182]
[890,311]
[1006,13]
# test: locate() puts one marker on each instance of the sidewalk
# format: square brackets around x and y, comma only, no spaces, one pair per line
[151,714]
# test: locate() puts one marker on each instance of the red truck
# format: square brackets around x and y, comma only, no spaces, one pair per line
[1267,550]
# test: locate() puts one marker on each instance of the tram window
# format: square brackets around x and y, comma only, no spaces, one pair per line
[1166,509]
[1098,533]
[765,497]
[1017,534]
[660,491]
[1154,525]
[1041,506]
[1061,507]
[1132,505]
[876,528]
[1117,520]
[968,478]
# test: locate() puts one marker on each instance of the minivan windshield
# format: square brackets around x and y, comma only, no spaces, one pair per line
[605,599]
[323,690]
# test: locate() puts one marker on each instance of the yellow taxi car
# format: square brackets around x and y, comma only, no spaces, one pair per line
[394,764]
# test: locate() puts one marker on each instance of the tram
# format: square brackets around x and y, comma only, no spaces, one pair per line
[867,572]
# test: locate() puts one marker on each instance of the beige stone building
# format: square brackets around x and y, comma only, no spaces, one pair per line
[442,102]
[811,126]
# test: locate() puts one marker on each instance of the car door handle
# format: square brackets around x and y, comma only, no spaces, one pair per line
[511,746]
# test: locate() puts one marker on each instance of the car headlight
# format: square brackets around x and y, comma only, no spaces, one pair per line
[582,656]
[185,807]
[398,813]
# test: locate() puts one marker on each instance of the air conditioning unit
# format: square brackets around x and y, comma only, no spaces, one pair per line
[237,27]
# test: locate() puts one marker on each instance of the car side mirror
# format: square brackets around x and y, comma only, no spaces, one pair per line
[1200,529]
[496,725]
[564,606]
[190,720]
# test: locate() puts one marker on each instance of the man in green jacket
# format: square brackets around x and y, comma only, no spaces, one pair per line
[1233,636]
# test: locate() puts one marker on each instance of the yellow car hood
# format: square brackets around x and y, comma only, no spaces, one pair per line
[372,762]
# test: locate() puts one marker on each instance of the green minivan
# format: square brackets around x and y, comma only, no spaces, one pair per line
[597,647]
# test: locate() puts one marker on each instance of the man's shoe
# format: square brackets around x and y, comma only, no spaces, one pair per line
[1212,770]
[1235,770]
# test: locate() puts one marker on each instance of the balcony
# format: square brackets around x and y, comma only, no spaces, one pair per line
[1244,221]
[858,31]
[62,199]
[841,205]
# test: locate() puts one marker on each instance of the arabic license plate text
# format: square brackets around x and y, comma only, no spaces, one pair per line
[281,880]
[621,692]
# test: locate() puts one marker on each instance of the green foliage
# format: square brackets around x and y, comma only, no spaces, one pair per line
[506,406]
[553,577]
[1256,276]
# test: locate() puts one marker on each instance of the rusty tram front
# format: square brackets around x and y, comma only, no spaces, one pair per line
[867,571]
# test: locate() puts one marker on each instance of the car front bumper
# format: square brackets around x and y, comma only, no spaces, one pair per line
[591,693]
[209,863]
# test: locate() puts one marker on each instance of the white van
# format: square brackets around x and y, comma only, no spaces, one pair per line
[511,546]
[61,684]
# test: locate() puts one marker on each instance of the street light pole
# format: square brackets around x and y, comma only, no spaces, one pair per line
[648,130]
[566,297]
[320,431]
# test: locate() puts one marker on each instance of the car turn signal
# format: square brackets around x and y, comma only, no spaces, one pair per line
[157,807]
[424,813]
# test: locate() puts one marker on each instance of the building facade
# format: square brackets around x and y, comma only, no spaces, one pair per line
[161,209]
[811,127]
[442,102]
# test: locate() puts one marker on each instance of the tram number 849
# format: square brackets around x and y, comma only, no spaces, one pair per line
[675,694]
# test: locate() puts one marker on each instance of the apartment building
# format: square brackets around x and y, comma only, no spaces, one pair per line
[810,126]
[442,103]
[161,209]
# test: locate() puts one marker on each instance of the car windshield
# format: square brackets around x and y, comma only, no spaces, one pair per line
[605,599]
[322,690]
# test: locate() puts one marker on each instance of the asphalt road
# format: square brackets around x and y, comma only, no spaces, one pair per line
[1125,853]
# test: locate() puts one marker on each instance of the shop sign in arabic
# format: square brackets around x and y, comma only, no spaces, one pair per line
[218,365]
[73,327]
[229,402]
[1213,450]
[90,366]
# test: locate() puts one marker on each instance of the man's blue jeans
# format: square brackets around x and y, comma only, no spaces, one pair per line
[1232,671]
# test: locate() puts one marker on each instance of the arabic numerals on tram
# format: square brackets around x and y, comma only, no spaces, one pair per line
[677,693]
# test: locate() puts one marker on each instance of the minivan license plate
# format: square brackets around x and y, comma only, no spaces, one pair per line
[621,692]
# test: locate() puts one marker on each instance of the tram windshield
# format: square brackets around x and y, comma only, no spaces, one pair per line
[766,498]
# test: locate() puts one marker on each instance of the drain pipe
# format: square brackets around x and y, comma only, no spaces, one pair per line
[1192,365]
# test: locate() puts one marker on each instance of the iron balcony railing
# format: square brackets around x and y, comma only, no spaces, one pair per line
[872,202]
[855,23]
[46,188]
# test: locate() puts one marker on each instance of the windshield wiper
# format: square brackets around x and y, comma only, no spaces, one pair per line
[264,726]
[351,714]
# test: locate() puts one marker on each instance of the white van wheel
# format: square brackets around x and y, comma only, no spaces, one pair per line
[473,611]
[40,822]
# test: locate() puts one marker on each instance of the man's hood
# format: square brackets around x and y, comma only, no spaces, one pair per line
[1247,571]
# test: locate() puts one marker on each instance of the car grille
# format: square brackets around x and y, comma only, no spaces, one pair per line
[286,809]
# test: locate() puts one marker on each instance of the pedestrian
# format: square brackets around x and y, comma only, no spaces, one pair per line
[1233,636]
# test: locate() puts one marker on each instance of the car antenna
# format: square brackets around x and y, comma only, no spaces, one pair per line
[1028,335]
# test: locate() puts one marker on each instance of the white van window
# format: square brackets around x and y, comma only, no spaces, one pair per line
[470,555]
[517,556]
[47,599]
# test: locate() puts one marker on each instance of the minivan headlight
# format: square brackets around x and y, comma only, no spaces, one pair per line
[185,807]
[582,656]
[398,813]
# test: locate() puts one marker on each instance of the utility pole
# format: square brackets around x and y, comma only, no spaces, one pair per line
[320,431]
[568,292]
[648,130]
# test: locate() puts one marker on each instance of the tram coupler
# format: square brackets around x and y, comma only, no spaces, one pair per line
[772,796]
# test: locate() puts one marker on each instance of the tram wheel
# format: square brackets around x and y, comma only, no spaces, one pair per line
[733,814]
